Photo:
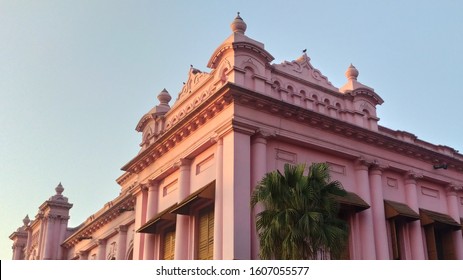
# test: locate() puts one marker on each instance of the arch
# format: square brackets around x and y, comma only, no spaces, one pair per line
[129,255]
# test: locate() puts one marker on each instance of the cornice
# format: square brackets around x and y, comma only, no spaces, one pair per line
[273,106]
[181,129]
[111,210]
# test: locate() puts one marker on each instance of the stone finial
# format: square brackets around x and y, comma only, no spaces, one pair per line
[164,97]
[26,220]
[352,73]
[59,189]
[238,25]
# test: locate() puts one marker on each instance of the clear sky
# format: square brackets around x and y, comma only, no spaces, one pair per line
[76,77]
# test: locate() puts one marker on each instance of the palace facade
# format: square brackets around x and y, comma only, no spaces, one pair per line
[186,194]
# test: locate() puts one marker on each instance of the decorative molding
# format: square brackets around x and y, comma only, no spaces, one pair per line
[452,188]
[337,168]
[426,191]
[411,177]
[285,156]
[101,218]
[205,164]
[392,182]
[170,188]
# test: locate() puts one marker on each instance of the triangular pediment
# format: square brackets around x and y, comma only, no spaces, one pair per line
[303,69]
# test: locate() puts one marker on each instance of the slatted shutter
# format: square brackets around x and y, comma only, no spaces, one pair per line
[395,243]
[431,242]
[448,247]
[206,234]
[169,245]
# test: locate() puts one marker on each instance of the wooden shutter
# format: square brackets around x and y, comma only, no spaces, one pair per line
[206,234]
[448,246]
[169,245]
[395,243]
[431,242]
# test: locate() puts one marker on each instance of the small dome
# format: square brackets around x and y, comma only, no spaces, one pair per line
[164,97]
[59,189]
[26,220]
[238,25]
[352,73]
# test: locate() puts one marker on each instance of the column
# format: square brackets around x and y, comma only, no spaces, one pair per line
[182,227]
[377,208]
[29,240]
[453,208]
[41,245]
[218,203]
[122,242]
[236,190]
[17,249]
[152,209]
[50,238]
[416,235]
[367,238]
[140,193]
[258,171]
[101,254]
[63,223]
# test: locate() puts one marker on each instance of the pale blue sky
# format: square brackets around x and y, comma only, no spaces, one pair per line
[76,76]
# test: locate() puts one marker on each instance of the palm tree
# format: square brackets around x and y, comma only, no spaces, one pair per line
[300,220]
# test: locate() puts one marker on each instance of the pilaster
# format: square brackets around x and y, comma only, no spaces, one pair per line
[416,234]
[453,208]
[365,218]
[152,209]
[121,241]
[182,225]
[218,202]
[377,209]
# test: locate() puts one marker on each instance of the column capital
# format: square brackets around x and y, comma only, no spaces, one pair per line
[139,188]
[452,188]
[100,242]
[121,229]
[411,176]
[377,167]
[183,162]
[361,163]
[216,138]
[264,134]
[152,183]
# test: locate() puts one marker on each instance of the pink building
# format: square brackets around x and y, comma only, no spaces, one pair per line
[186,195]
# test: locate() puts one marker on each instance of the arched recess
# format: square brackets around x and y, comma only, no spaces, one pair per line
[366,118]
[129,255]
[249,78]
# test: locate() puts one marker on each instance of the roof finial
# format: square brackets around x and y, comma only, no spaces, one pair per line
[26,220]
[238,25]
[59,189]
[164,97]
[352,73]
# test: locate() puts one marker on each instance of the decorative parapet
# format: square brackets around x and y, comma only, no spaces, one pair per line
[302,68]
[109,212]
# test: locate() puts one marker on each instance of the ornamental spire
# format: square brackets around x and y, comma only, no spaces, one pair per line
[238,25]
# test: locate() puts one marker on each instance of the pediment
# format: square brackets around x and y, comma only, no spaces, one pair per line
[303,69]
[195,79]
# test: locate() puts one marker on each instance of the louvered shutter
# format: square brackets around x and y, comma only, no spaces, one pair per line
[206,234]
[169,245]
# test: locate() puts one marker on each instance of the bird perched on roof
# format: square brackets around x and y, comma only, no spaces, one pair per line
[304,50]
